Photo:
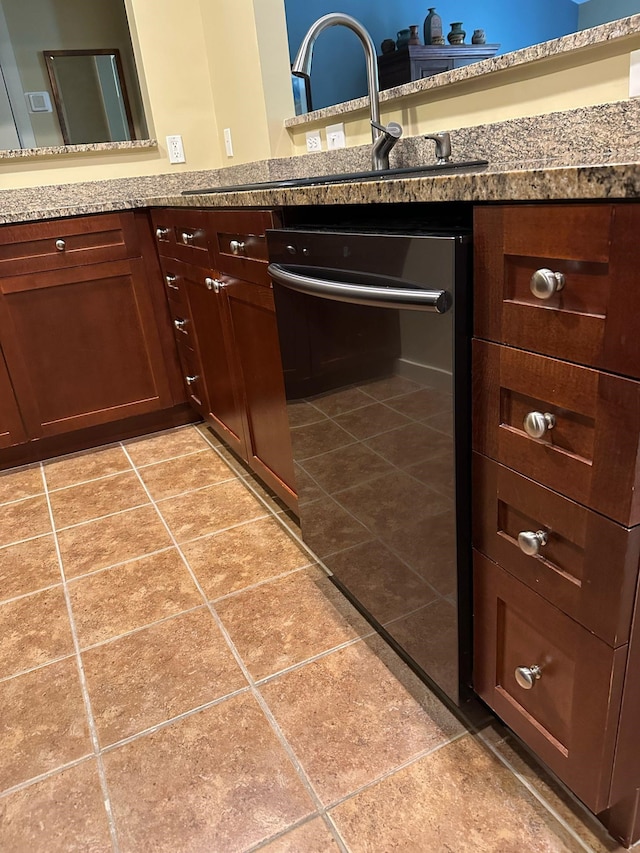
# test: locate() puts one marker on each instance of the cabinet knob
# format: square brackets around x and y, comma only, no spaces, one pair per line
[237,247]
[191,380]
[537,424]
[214,284]
[545,283]
[180,324]
[61,245]
[171,281]
[526,676]
[530,542]
[162,233]
[187,237]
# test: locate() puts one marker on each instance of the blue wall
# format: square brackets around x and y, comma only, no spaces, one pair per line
[338,70]
[596,12]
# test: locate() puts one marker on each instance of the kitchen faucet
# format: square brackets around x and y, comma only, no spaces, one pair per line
[383,138]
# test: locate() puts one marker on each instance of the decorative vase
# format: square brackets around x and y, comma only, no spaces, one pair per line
[414,38]
[388,46]
[403,38]
[478,37]
[457,34]
[433,27]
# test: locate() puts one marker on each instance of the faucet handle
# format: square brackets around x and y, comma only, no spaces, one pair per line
[443,146]
[392,129]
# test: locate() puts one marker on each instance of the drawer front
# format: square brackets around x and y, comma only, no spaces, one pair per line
[193,379]
[173,274]
[569,715]
[590,455]
[595,251]
[585,564]
[240,243]
[62,243]
[183,234]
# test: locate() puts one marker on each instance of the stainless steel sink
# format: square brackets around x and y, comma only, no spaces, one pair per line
[345,177]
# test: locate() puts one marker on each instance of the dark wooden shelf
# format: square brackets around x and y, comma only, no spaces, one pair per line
[417,61]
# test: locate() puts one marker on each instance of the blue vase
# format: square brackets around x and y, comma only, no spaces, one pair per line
[433,27]
[403,39]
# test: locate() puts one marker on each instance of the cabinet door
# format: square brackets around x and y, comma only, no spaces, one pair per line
[258,354]
[11,426]
[209,329]
[82,346]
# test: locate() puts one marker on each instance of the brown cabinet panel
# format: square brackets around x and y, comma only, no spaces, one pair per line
[82,346]
[62,243]
[11,426]
[595,247]
[258,354]
[239,243]
[587,568]
[183,234]
[569,716]
[591,455]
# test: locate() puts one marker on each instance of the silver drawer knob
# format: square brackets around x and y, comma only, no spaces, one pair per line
[237,247]
[171,282]
[191,380]
[537,424]
[180,324]
[61,245]
[162,233]
[530,542]
[187,237]
[526,676]
[545,283]
[214,284]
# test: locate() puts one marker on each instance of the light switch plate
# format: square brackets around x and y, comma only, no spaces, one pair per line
[314,140]
[228,144]
[634,74]
[175,149]
[336,137]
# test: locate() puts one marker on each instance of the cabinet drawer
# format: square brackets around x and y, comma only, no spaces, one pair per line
[183,234]
[240,243]
[588,565]
[596,250]
[569,715]
[61,243]
[174,285]
[590,455]
[193,378]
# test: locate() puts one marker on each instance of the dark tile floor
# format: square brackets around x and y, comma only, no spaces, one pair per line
[177,675]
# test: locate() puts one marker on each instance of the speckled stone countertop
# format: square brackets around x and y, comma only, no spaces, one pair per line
[565,155]
[622,28]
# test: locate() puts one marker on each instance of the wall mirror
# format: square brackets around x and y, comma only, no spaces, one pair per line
[90,95]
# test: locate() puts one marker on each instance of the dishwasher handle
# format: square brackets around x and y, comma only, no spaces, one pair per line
[438,301]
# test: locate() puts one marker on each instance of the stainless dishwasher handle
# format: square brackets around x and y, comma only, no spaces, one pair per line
[379,297]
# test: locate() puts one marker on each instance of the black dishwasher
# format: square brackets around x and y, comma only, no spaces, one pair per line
[375,342]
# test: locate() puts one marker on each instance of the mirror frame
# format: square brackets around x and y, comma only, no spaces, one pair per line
[50,55]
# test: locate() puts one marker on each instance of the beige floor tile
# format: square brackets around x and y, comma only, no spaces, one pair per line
[301,413]
[76,504]
[139,593]
[24,519]
[153,675]
[115,539]
[286,621]
[20,483]
[458,798]
[370,420]
[350,720]
[210,509]
[343,468]
[33,630]
[28,566]
[165,445]
[311,837]
[60,814]
[217,780]
[89,465]
[42,722]
[245,555]
[410,444]
[311,439]
[329,527]
[165,479]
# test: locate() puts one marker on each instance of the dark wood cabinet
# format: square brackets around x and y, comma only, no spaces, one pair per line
[221,302]
[11,426]
[416,61]
[84,328]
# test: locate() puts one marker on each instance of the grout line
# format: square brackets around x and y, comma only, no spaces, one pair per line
[27,594]
[28,539]
[36,668]
[188,492]
[43,776]
[89,520]
[90,480]
[93,572]
[224,529]
[20,500]
[93,733]
[140,628]
[534,792]
[169,459]
[258,584]
[304,779]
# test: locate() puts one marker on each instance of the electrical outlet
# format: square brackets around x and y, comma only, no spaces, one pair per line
[336,136]
[175,149]
[314,141]
[228,144]
[634,74]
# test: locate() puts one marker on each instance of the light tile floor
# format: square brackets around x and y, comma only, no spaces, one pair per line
[177,675]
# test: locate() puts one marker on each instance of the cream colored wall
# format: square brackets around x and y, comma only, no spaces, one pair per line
[587,77]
